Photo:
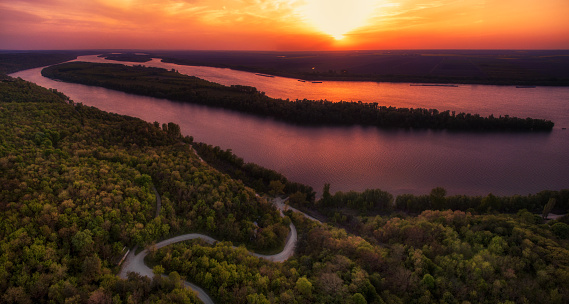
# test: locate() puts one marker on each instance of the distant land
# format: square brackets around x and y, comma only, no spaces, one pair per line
[14,61]
[494,67]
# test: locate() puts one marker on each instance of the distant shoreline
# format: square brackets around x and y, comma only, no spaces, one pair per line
[517,68]
[476,67]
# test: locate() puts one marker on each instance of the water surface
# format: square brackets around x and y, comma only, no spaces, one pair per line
[356,158]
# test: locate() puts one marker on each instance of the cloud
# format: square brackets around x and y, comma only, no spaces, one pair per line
[268,23]
[13,19]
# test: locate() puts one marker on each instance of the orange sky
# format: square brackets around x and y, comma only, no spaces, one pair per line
[284,24]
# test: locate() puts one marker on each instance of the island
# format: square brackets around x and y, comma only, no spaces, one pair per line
[172,85]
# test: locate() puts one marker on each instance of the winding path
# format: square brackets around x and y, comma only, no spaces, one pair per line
[281,205]
[135,262]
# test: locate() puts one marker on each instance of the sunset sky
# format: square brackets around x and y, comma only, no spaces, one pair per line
[284,24]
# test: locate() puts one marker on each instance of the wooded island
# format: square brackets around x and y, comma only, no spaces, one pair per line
[160,83]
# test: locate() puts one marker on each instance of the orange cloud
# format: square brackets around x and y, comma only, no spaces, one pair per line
[283,24]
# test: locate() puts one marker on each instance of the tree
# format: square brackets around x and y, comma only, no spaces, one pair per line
[16,295]
[257,299]
[143,180]
[91,268]
[82,240]
[326,197]
[489,203]
[438,198]
[428,281]
[158,270]
[174,130]
[548,207]
[561,230]
[358,298]
[276,187]
[99,296]
[298,198]
[304,286]
[330,283]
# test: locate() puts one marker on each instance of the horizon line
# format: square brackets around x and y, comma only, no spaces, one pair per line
[253,50]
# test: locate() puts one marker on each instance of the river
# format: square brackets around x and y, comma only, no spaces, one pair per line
[357,158]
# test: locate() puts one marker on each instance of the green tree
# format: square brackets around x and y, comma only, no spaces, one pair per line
[298,198]
[276,187]
[158,270]
[428,281]
[548,207]
[174,130]
[326,196]
[304,286]
[561,230]
[82,240]
[210,223]
[358,298]
[489,203]
[497,245]
[438,198]
[91,268]
[257,299]
[143,180]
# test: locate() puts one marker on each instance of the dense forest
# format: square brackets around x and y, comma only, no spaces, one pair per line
[161,83]
[435,257]
[77,189]
[377,201]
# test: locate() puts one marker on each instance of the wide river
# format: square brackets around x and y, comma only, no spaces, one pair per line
[357,158]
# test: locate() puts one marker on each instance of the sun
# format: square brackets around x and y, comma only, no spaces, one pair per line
[336,18]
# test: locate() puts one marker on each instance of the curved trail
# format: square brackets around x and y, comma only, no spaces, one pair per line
[135,262]
[280,204]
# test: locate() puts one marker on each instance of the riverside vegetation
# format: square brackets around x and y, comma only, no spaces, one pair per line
[76,188]
[161,83]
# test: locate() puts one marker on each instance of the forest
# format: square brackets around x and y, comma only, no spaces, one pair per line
[76,190]
[378,201]
[161,83]
[435,257]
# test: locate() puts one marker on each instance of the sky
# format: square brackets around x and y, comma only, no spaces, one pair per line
[284,25]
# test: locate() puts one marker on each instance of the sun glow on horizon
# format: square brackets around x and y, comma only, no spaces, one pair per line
[336,18]
[283,24]
[338,37]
